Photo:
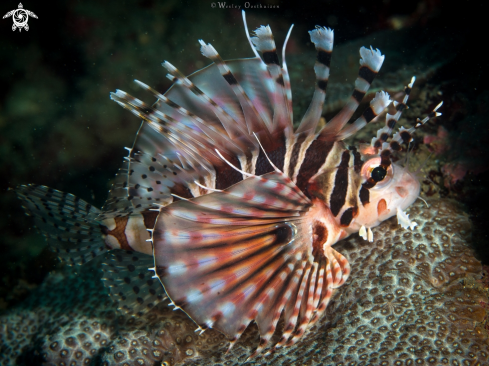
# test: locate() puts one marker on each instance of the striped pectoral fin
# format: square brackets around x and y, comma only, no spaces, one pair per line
[234,256]
[130,279]
[329,271]
[339,266]
[69,224]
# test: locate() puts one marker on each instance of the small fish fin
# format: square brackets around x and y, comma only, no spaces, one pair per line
[69,224]
[230,257]
[129,278]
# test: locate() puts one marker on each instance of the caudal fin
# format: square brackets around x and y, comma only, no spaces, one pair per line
[69,224]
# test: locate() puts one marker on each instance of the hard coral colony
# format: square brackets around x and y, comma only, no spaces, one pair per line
[242,209]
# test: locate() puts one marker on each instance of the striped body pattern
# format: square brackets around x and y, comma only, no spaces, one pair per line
[233,209]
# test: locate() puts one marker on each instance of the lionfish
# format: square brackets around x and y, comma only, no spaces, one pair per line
[234,210]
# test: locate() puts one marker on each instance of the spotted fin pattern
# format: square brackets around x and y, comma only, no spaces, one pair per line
[220,106]
[243,254]
[69,224]
[130,282]
[117,204]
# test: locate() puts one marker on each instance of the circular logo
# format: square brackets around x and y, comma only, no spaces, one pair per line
[20,18]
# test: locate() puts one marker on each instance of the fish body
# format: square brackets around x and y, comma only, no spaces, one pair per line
[234,210]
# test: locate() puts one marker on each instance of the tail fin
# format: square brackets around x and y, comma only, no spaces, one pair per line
[69,224]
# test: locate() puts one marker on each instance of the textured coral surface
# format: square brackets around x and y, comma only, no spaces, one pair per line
[413,298]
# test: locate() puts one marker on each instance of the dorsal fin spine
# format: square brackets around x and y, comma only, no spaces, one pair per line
[265,43]
[370,63]
[323,39]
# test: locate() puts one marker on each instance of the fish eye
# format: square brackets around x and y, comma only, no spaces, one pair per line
[372,170]
[378,173]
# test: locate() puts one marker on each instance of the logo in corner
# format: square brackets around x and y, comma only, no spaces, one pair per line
[20,17]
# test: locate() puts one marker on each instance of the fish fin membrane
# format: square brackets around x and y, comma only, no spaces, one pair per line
[69,224]
[242,254]
[117,203]
[130,281]
[176,141]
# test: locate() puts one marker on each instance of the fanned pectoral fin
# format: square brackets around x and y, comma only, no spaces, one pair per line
[245,254]
[234,256]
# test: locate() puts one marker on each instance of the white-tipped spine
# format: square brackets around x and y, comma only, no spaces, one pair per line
[323,38]
[207,50]
[264,39]
[171,69]
[413,79]
[371,58]
[380,102]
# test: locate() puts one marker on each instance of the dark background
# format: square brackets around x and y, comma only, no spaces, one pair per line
[59,128]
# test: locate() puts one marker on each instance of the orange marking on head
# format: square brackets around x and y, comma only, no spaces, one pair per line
[381,207]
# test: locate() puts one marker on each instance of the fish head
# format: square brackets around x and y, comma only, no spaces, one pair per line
[386,189]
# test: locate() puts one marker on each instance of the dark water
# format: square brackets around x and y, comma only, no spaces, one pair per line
[59,128]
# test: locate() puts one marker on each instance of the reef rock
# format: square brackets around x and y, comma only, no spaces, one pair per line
[413,298]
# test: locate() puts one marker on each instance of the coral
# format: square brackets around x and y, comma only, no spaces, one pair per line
[412,298]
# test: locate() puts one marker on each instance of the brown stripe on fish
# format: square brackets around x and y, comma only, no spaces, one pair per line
[301,156]
[364,194]
[226,176]
[357,159]
[348,216]
[315,156]
[277,157]
[340,189]
[322,183]
[294,155]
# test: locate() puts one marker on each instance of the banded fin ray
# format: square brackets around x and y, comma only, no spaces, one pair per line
[226,264]
[220,106]
[69,224]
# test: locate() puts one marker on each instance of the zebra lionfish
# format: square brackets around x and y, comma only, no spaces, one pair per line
[234,210]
